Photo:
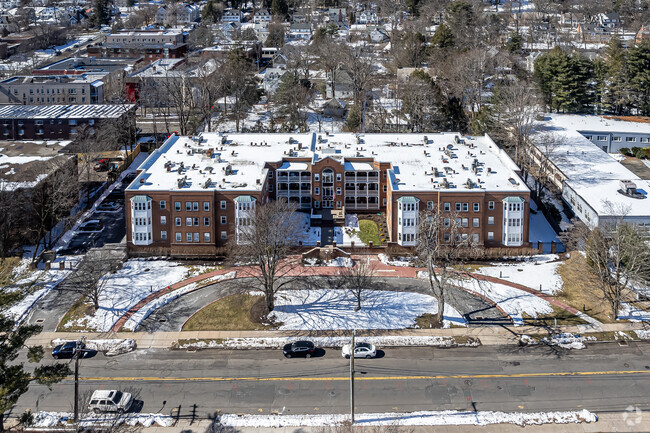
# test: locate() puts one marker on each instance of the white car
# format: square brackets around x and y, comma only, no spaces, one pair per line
[110,401]
[361,350]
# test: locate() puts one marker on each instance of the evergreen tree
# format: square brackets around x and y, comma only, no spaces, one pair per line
[279,8]
[443,37]
[515,43]
[212,12]
[616,97]
[276,36]
[354,119]
[102,14]
[639,76]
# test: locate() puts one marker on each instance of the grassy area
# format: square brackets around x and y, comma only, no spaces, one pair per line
[232,313]
[198,270]
[369,232]
[563,318]
[79,309]
[580,288]
[7,267]
[426,321]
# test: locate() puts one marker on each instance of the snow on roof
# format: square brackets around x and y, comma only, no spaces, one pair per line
[237,161]
[592,173]
[103,111]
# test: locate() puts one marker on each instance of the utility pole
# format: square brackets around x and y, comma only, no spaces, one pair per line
[76,383]
[352,377]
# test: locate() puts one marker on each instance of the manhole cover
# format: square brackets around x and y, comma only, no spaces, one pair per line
[39,321]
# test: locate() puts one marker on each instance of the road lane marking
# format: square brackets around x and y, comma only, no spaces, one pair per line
[366,378]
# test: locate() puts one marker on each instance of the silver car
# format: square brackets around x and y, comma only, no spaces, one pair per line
[110,401]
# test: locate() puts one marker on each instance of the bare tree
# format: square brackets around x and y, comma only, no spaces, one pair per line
[443,240]
[619,255]
[358,279]
[264,242]
[12,201]
[538,161]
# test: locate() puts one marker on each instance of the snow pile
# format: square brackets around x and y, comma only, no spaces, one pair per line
[513,302]
[344,262]
[535,272]
[52,419]
[109,346]
[563,340]
[633,313]
[125,288]
[398,261]
[144,312]
[330,342]
[423,418]
[304,233]
[643,334]
[335,309]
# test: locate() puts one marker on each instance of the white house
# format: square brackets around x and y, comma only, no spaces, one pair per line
[367,17]
[300,31]
[232,16]
[378,35]
[262,16]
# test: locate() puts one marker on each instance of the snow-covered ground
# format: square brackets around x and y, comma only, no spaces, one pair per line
[37,283]
[330,342]
[398,261]
[114,346]
[564,340]
[322,309]
[51,419]
[539,229]
[633,313]
[537,272]
[306,234]
[125,288]
[349,232]
[424,418]
[513,301]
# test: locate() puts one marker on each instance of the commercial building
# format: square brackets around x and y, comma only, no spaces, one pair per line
[150,44]
[81,89]
[597,188]
[191,194]
[58,122]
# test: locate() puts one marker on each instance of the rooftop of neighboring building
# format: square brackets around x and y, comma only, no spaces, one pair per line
[86,78]
[95,111]
[90,64]
[413,160]
[25,163]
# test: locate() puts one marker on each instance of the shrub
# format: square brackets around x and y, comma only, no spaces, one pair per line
[641,154]
[635,150]
[625,151]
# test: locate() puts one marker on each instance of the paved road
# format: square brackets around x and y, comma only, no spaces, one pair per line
[601,378]
[172,316]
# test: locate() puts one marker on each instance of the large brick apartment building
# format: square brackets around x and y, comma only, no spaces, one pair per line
[149,44]
[192,194]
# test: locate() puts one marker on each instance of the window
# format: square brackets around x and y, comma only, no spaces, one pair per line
[630,139]
[179,237]
[317,191]
[177,206]
[163,220]
[163,235]
[447,237]
[465,207]
[206,237]
[316,177]
[490,236]
[206,221]
[195,206]
[491,205]
[475,238]
[206,206]
[188,206]
[475,222]
[72,122]
[446,222]
[475,207]
[447,207]
[188,237]
[188,221]
[224,235]
[223,219]
[429,205]
[196,237]
[385,188]
[270,174]
[195,221]
[338,190]
[178,222]
[384,201]
[338,204]
[491,221]
[316,204]
[616,138]
[223,204]
[602,138]
[458,207]
[465,222]
[338,177]
[163,204]
[269,187]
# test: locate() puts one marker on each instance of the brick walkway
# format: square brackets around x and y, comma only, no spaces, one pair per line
[381,269]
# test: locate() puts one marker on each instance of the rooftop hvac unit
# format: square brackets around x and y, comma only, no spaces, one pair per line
[207,183]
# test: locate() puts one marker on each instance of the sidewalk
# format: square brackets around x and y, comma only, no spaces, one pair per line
[607,422]
[493,335]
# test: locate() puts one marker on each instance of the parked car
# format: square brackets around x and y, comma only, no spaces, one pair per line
[67,350]
[101,165]
[108,206]
[361,350]
[91,226]
[299,348]
[110,401]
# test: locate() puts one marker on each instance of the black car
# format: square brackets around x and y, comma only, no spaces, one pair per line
[299,348]
[67,350]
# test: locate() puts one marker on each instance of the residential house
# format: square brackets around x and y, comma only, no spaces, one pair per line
[378,35]
[367,17]
[642,35]
[271,80]
[300,31]
[343,86]
[262,16]
[334,108]
[232,16]
[610,20]
[337,15]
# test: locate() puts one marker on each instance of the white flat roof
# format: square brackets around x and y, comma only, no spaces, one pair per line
[604,198]
[413,162]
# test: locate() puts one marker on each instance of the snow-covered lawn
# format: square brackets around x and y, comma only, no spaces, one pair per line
[397,261]
[306,234]
[539,229]
[322,309]
[349,232]
[537,272]
[513,301]
[564,340]
[633,313]
[51,419]
[424,418]
[125,288]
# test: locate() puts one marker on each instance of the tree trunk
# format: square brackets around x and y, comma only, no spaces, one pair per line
[270,302]
[2,421]
[359,302]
